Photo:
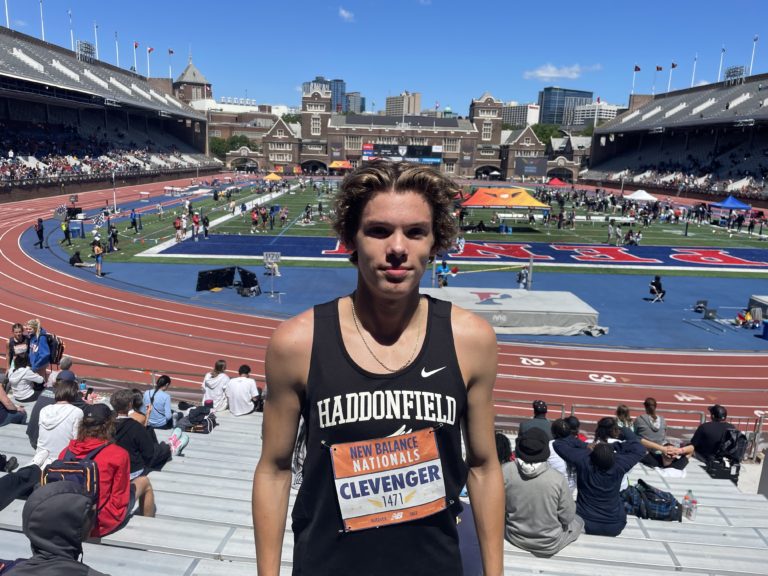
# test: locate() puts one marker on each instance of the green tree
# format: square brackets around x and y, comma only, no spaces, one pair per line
[292,118]
[235,142]
[546,131]
[218,147]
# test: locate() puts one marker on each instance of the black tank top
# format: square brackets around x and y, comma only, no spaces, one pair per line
[337,389]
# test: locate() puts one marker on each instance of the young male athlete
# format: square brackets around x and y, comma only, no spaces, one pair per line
[386,380]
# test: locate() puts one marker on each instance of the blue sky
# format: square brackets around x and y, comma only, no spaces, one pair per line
[448,50]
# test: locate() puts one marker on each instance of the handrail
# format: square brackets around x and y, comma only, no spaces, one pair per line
[612,409]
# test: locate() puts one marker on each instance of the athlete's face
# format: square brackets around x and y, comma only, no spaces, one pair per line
[394,242]
[18,332]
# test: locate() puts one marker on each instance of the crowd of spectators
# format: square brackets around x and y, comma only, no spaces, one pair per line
[34,152]
[558,483]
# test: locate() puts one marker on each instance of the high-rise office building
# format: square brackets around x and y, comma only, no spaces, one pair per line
[338,95]
[586,114]
[405,104]
[319,84]
[355,102]
[557,104]
[520,115]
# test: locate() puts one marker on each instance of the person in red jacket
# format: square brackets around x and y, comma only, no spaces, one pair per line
[117,493]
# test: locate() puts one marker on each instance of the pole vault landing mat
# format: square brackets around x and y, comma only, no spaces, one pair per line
[512,311]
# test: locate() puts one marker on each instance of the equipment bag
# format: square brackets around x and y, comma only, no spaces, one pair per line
[732,446]
[645,501]
[56,346]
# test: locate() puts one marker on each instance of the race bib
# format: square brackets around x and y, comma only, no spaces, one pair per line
[388,480]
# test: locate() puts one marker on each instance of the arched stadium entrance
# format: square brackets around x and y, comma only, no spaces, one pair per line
[314,167]
[488,172]
[561,167]
[242,156]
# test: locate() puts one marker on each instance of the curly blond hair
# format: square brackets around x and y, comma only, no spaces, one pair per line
[365,182]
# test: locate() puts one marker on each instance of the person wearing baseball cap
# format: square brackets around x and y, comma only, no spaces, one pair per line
[708,436]
[539,420]
[540,512]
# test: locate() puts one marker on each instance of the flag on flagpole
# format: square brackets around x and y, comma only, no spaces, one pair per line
[723,50]
[637,68]
[135,45]
[170,51]
[659,68]
[150,50]
[674,65]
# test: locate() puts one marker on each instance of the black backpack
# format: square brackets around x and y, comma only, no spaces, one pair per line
[733,446]
[56,346]
[645,501]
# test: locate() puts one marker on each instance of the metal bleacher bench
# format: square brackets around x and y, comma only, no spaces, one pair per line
[204,527]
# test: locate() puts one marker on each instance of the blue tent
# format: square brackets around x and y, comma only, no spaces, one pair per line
[731,203]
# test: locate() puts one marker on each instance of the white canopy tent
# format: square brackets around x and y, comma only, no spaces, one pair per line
[641,196]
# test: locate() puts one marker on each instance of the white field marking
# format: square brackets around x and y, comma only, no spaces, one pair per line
[645,374]
[664,387]
[683,397]
[605,378]
[127,304]
[647,352]
[592,399]
[612,361]
[531,361]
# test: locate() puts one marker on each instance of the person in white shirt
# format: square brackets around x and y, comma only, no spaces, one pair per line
[215,386]
[59,423]
[242,392]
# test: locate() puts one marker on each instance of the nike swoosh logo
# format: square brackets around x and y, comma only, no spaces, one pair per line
[427,374]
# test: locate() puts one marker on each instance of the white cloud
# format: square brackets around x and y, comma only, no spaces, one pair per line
[346,15]
[549,72]
[20,23]
[702,82]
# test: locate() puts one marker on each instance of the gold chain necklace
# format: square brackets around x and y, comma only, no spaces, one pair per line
[370,351]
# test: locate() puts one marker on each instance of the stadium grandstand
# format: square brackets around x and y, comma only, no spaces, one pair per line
[706,140]
[69,119]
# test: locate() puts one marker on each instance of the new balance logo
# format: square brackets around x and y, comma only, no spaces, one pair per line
[426,374]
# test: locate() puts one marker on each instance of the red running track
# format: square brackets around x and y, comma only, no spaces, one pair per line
[107,327]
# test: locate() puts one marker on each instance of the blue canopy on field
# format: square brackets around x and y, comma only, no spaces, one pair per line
[731,203]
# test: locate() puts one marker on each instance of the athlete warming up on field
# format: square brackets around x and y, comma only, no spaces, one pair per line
[386,380]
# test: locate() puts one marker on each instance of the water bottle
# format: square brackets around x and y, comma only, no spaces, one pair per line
[82,386]
[687,506]
[694,507]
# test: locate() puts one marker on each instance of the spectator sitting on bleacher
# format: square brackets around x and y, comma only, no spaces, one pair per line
[48,398]
[56,518]
[652,430]
[243,395]
[540,512]
[144,453]
[64,364]
[25,383]
[157,405]
[561,429]
[117,494]
[215,386]
[575,426]
[539,420]
[608,432]
[599,471]
[708,436]
[10,413]
[58,423]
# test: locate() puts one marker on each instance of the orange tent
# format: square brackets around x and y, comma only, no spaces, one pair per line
[340,165]
[503,198]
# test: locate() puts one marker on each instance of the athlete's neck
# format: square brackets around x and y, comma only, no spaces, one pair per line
[386,319]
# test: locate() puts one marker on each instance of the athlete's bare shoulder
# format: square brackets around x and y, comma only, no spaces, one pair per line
[475,342]
[290,350]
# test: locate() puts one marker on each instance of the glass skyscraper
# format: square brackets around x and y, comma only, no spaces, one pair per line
[557,105]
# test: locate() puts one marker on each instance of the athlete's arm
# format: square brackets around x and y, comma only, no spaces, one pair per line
[287,367]
[476,349]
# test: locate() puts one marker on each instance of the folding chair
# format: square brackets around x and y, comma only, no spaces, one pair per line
[657,296]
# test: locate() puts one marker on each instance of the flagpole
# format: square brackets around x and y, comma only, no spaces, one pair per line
[96,38]
[117,51]
[71,30]
[148,74]
[170,68]
[693,74]
[135,66]
[669,82]
[752,61]
[7,19]
[42,22]
[655,72]
[720,69]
